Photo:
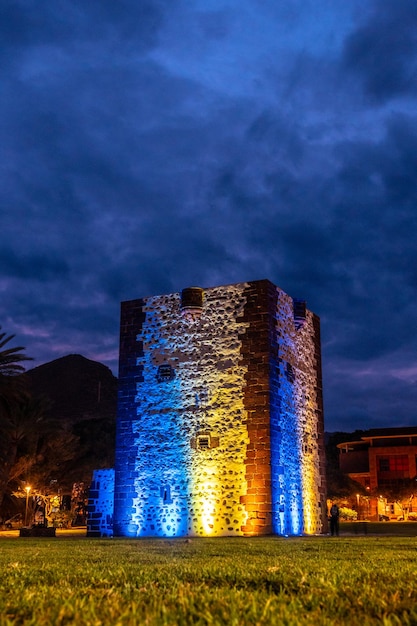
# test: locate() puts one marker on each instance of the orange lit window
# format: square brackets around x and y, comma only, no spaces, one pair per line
[394,464]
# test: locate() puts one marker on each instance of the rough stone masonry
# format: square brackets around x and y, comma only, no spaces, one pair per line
[220,417]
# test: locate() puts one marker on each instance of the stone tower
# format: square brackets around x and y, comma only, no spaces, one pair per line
[220,415]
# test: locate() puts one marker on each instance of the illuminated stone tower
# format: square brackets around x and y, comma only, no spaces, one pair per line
[220,415]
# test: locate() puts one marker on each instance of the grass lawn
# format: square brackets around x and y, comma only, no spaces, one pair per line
[232,581]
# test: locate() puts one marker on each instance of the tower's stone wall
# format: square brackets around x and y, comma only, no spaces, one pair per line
[101,504]
[256,399]
[220,415]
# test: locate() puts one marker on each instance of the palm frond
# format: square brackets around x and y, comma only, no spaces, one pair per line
[11,358]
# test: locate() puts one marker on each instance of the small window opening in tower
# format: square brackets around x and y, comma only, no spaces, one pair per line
[289,372]
[166,494]
[192,303]
[203,442]
[165,373]
[300,310]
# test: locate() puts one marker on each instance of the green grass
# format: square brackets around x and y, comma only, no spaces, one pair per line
[264,581]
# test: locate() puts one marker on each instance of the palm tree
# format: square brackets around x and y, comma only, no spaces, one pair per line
[12,395]
[11,360]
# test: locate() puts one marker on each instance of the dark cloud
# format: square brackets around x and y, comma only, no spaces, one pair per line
[27,24]
[40,267]
[379,392]
[383,51]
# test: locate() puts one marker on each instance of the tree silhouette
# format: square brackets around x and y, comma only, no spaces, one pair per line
[11,367]
[15,407]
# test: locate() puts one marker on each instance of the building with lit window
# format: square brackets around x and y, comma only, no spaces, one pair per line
[381,461]
[220,415]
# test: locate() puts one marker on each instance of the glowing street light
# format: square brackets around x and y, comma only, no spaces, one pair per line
[27,489]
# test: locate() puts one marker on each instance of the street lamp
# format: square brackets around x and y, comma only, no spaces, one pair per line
[27,489]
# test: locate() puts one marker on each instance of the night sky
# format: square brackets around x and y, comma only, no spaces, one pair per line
[147,146]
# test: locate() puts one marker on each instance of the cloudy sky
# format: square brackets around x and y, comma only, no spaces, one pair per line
[149,146]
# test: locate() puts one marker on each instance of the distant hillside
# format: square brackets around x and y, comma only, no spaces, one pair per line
[78,388]
[83,395]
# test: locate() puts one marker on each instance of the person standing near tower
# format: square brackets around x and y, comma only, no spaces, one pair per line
[334,519]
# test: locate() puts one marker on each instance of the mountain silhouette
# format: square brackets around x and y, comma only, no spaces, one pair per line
[83,401]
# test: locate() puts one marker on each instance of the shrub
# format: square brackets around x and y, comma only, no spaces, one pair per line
[348,514]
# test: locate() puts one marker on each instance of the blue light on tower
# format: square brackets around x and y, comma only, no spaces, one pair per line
[217,429]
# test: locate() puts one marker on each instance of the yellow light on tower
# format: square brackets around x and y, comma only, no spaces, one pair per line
[27,489]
